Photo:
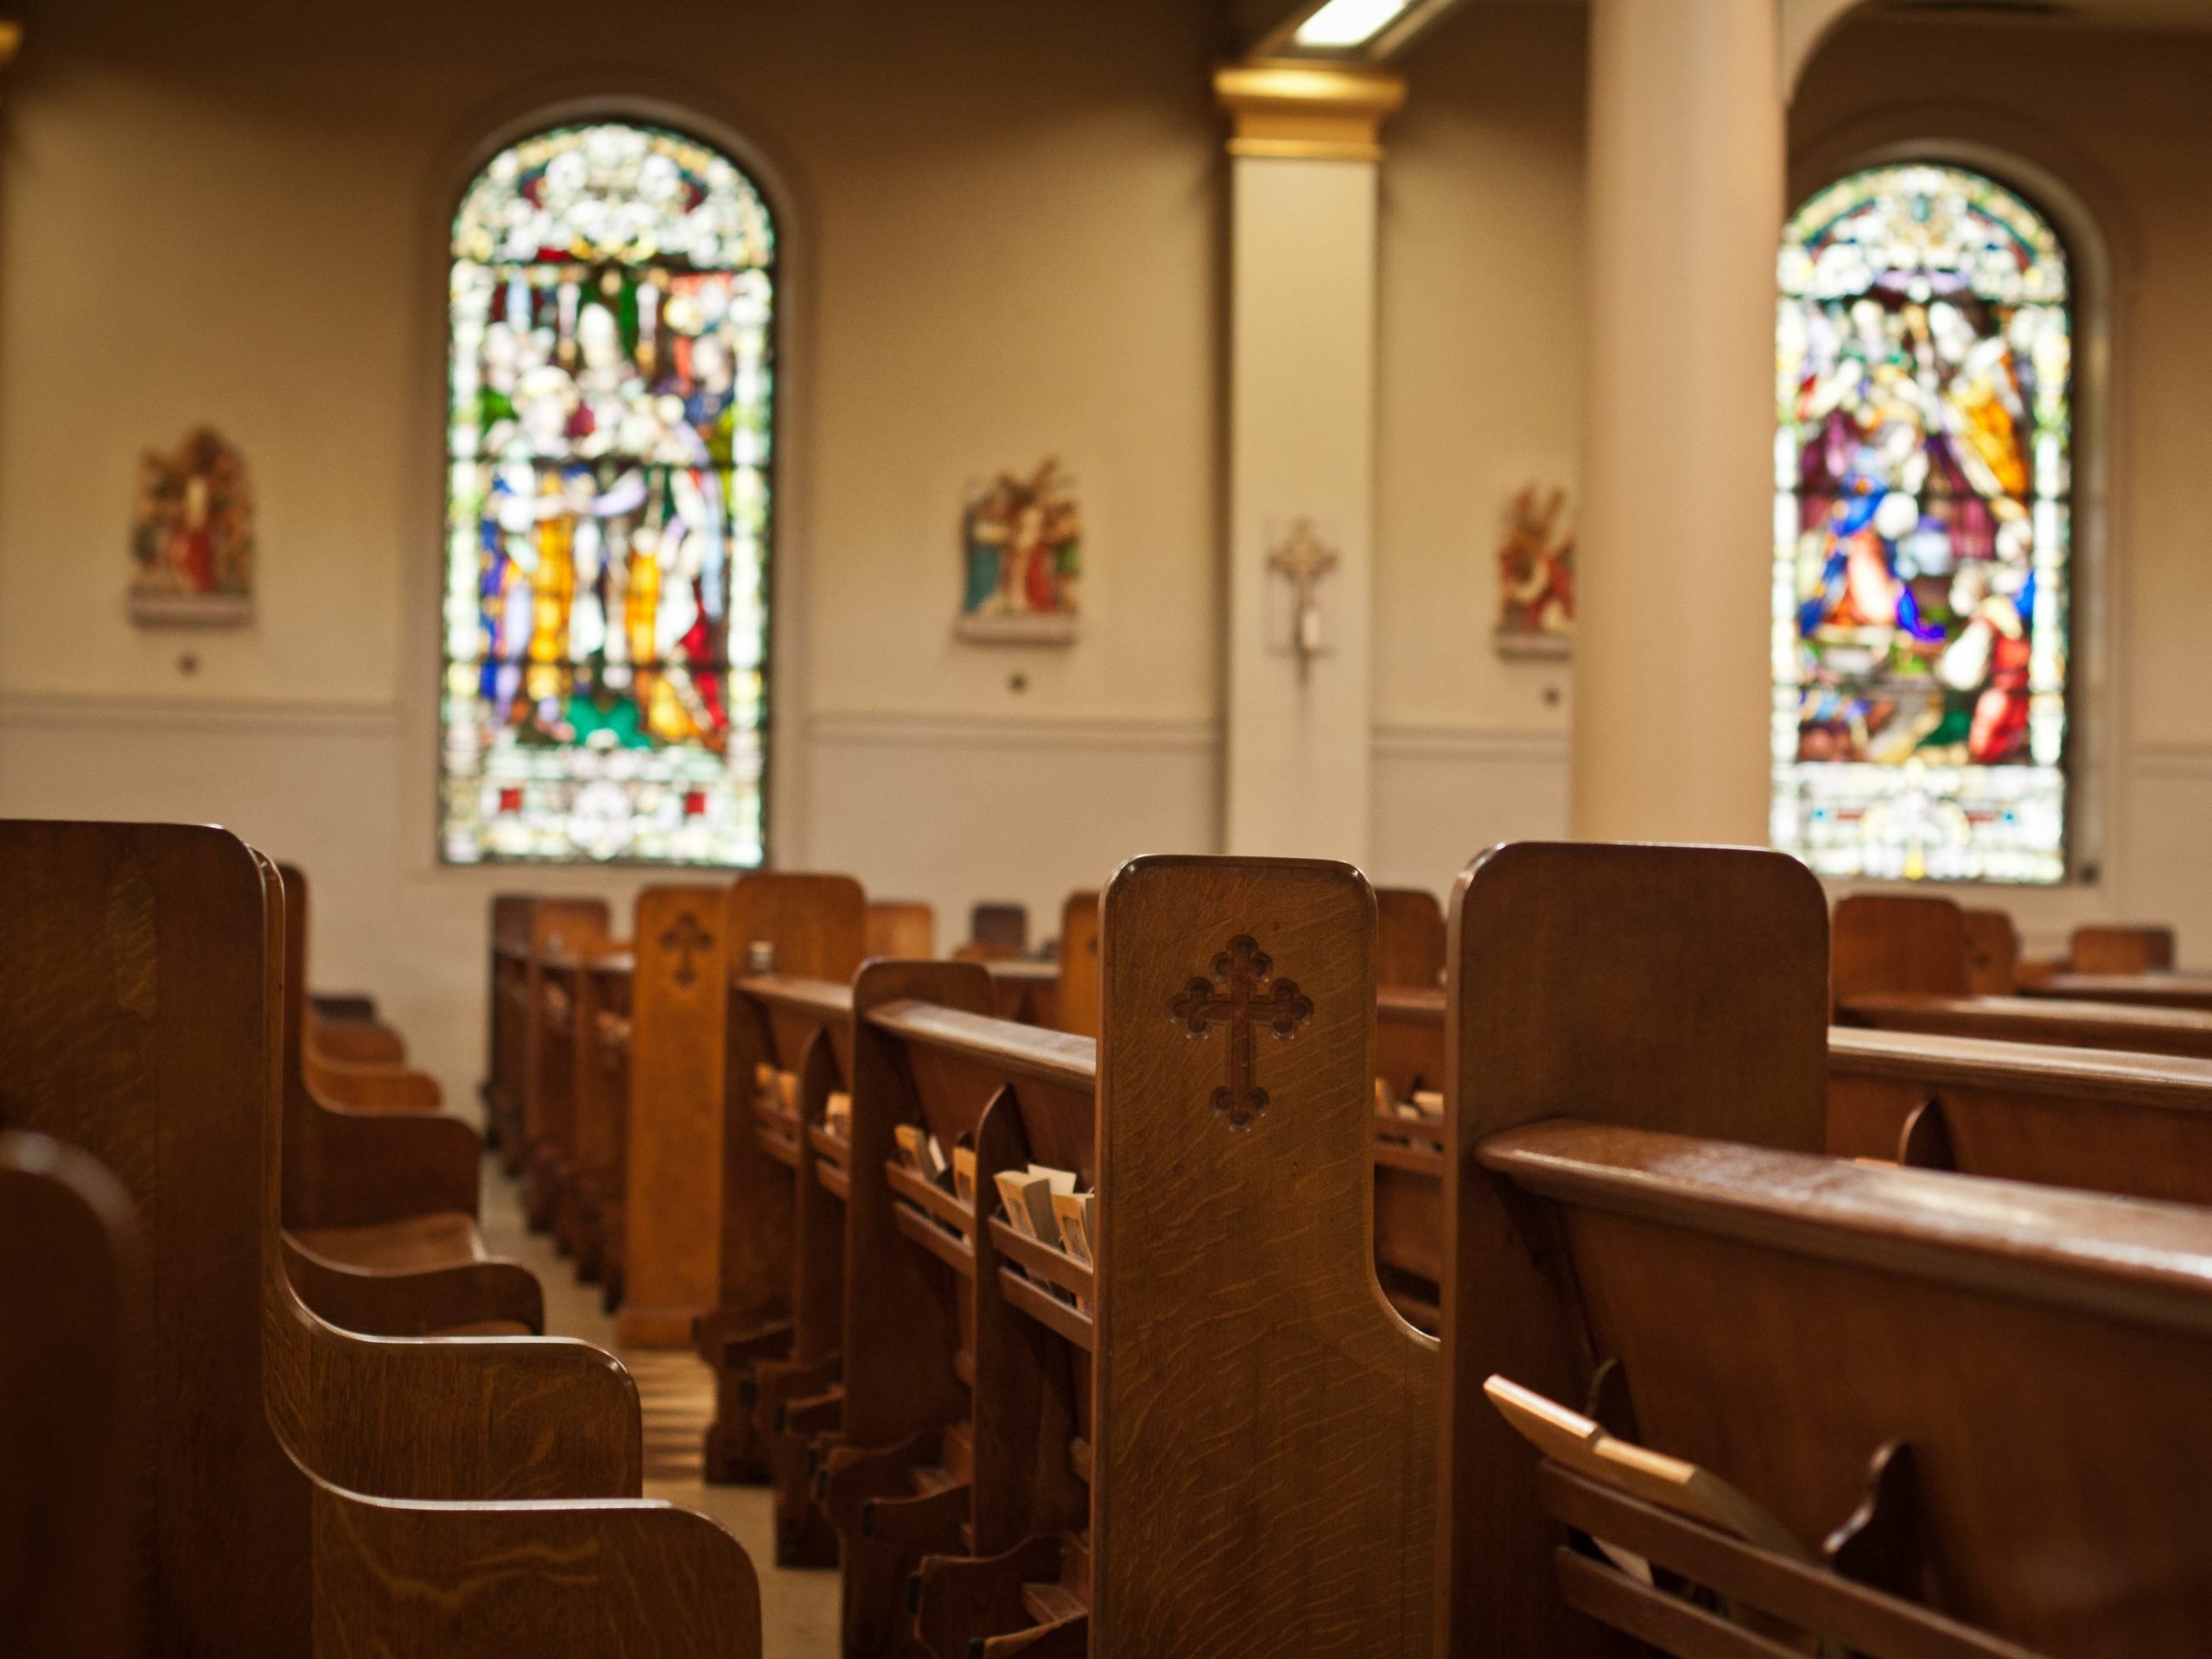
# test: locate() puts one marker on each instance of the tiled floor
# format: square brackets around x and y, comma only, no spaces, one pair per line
[798,1606]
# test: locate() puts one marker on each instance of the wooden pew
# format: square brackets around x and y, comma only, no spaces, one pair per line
[1900,964]
[996,927]
[522,927]
[1020,1450]
[379,1208]
[1635,987]
[795,942]
[1992,953]
[2137,1125]
[68,1325]
[141,1017]
[778,1369]
[1914,1415]
[708,1216]
[590,1218]
[901,928]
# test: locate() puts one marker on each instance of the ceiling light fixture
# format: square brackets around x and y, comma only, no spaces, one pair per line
[1344,23]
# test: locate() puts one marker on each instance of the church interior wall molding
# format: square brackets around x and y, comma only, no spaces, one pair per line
[1288,111]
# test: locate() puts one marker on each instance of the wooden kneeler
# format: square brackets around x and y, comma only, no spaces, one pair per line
[141,1017]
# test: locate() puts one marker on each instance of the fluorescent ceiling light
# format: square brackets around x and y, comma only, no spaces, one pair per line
[1349,22]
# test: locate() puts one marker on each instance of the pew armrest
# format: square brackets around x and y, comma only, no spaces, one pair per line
[371,1167]
[473,1419]
[376,1087]
[558,1581]
[372,1304]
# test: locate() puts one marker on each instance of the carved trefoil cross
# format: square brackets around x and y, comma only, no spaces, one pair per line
[1241,994]
[1302,558]
[686,937]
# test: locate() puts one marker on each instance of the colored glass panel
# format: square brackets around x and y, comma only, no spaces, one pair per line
[1922,531]
[609,421]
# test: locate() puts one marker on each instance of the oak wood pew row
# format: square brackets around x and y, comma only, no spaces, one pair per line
[522,926]
[1004,1434]
[995,925]
[557,1037]
[589,1222]
[779,1390]
[371,1495]
[379,1208]
[2111,948]
[901,928]
[1900,966]
[708,1216]
[778,1375]
[67,1443]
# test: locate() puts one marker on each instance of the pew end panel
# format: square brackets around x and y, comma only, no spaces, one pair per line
[1242,1341]
[1898,942]
[2111,948]
[1992,952]
[901,930]
[72,1315]
[1075,1005]
[1670,987]
[631,1580]
[671,1166]
[1408,939]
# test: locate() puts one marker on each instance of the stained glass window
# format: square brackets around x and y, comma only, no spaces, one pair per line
[1922,527]
[612,388]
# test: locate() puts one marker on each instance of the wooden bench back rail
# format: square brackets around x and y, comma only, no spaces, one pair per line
[141,1018]
[2102,1120]
[73,1313]
[2149,991]
[1661,987]
[1781,1319]
[2035,1020]
[903,929]
[1242,1341]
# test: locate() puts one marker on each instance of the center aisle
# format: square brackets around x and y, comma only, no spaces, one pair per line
[798,1606]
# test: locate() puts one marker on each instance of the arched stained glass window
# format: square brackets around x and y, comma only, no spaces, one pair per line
[1920,537]
[611,391]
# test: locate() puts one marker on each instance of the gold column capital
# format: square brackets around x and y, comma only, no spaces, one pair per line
[1308,111]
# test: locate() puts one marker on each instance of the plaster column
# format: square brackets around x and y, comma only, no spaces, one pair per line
[1672,687]
[1301,447]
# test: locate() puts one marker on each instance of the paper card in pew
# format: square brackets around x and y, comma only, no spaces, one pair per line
[964,1175]
[919,1151]
[837,1114]
[1028,1194]
[1075,1213]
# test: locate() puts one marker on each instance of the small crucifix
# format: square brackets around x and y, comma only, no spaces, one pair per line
[1303,558]
[1240,994]
[686,937]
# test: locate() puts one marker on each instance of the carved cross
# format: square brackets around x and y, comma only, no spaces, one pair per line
[685,938]
[1240,996]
